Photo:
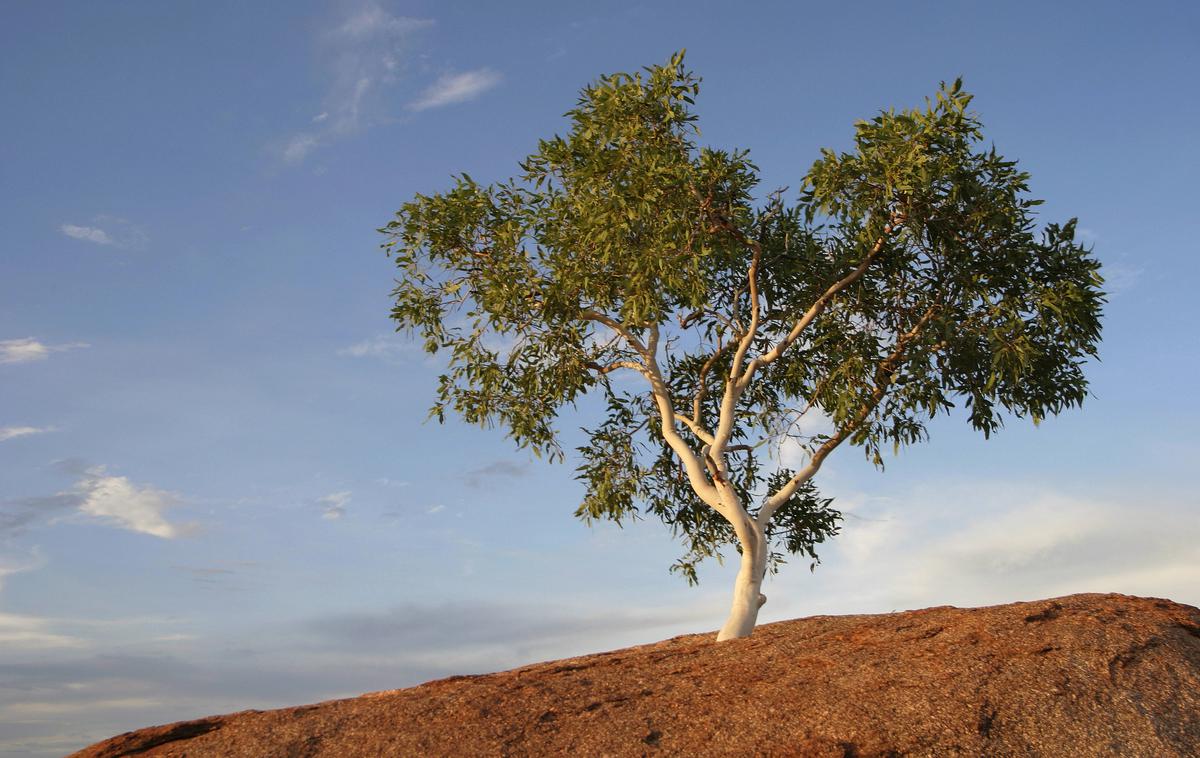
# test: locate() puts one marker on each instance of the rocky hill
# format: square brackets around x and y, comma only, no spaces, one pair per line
[1084,675]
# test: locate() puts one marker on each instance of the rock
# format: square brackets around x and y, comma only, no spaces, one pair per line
[1084,675]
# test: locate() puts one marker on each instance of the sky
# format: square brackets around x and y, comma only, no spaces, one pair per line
[218,489]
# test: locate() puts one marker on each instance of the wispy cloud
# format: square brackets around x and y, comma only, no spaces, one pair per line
[1119,277]
[108,230]
[31,632]
[116,500]
[372,21]
[991,542]
[334,504]
[376,347]
[29,349]
[481,476]
[12,432]
[298,147]
[456,88]
[366,54]
[98,496]
[88,233]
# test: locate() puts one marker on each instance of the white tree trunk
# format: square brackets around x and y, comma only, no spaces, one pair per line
[747,593]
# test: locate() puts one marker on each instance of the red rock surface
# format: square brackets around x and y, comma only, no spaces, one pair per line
[1085,675]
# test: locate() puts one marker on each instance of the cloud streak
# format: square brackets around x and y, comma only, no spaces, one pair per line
[483,475]
[378,347]
[334,505]
[101,497]
[87,233]
[118,501]
[29,632]
[13,432]
[996,543]
[115,232]
[451,89]
[28,350]
[366,54]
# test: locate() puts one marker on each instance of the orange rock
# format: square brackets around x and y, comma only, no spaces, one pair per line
[1084,675]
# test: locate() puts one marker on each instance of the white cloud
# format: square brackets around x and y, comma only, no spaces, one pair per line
[335,504]
[23,351]
[373,21]
[456,88]
[29,349]
[88,233]
[1119,277]
[298,148]
[30,632]
[116,232]
[12,432]
[116,500]
[436,509]
[996,542]
[43,710]
[377,347]
[364,55]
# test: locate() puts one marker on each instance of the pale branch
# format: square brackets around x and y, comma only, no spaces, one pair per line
[883,373]
[735,512]
[661,394]
[734,388]
[746,339]
[701,433]
[821,303]
[611,367]
[617,327]
[701,387]
[755,312]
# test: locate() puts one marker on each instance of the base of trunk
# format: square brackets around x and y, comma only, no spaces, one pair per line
[743,616]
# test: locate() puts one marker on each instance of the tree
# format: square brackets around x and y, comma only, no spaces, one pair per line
[905,279]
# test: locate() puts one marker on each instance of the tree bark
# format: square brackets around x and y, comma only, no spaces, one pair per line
[747,592]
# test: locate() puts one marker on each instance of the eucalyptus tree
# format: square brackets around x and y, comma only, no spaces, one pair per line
[730,334]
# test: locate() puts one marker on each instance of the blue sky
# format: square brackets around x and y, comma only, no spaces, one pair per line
[217,489]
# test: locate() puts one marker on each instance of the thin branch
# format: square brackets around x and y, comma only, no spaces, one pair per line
[611,367]
[617,327]
[883,374]
[747,337]
[661,394]
[697,429]
[734,388]
[822,302]
[701,387]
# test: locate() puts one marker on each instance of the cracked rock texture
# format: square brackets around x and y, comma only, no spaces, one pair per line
[1084,675]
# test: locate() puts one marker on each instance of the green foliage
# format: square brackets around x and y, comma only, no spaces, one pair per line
[625,248]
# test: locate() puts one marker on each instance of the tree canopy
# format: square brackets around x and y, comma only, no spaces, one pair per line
[723,325]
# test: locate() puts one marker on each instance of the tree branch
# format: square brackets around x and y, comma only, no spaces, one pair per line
[822,302]
[883,373]
[701,433]
[666,410]
[617,327]
[701,387]
[734,388]
[611,367]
